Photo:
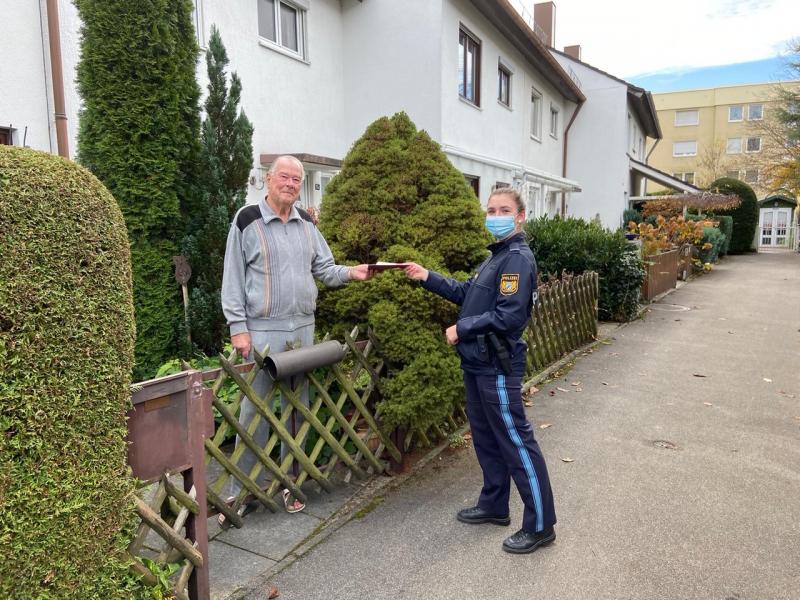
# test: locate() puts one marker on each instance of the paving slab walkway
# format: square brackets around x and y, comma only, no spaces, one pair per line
[683,478]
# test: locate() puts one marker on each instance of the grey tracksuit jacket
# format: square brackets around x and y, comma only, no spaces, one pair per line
[270,267]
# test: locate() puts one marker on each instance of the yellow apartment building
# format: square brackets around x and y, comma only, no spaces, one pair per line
[714,132]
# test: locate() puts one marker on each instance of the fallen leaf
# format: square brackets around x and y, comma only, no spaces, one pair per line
[767,379]
[467,436]
[787,394]
[560,389]
[698,375]
[528,403]
[604,382]
[273,593]
[730,332]
[545,425]
[532,390]
[723,319]
[708,403]
[576,383]
[567,459]
[578,389]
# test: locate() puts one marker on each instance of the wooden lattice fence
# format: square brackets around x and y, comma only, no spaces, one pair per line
[564,318]
[339,412]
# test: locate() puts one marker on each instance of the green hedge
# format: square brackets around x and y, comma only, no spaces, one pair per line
[66,353]
[575,245]
[139,134]
[745,217]
[726,227]
[713,236]
[398,198]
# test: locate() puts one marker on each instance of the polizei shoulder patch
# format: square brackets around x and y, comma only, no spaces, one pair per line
[509,283]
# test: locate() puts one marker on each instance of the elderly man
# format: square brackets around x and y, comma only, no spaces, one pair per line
[273,255]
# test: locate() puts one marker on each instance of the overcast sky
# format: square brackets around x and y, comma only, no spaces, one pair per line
[634,37]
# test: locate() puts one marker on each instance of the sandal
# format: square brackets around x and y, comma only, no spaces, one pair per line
[294,506]
[244,510]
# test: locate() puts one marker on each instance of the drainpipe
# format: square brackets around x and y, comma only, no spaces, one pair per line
[57,71]
[564,157]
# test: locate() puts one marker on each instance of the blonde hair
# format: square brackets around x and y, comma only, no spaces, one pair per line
[509,191]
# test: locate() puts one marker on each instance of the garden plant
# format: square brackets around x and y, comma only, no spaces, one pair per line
[398,198]
[66,353]
[575,246]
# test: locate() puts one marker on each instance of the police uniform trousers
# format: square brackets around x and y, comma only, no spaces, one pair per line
[262,384]
[506,449]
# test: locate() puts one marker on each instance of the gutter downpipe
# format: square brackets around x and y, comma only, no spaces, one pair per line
[60,112]
[564,156]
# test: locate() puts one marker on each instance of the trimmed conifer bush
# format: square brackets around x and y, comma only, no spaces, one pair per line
[745,217]
[66,353]
[139,133]
[398,198]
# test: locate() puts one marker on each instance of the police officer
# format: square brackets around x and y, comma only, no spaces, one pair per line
[496,304]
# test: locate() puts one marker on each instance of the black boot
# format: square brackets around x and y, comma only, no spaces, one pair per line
[476,515]
[523,541]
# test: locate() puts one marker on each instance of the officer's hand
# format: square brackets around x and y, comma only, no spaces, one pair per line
[451,334]
[241,343]
[416,272]
[360,272]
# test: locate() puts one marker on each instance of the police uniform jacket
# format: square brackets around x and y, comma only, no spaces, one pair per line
[498,298]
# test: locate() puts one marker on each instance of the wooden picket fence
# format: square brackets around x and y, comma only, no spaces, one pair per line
[348,418]
[564,318]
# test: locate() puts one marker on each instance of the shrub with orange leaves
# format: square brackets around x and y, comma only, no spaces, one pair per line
[666,234]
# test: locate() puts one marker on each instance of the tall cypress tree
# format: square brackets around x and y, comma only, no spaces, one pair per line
[139,134]
[226,156]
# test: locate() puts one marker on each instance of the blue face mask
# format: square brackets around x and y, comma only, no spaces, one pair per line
[500,227]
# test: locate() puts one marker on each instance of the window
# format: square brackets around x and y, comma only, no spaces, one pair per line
[684,118]
[688,148]
[536,114]
[503,86]
[735,113]
[734,146]
[753,144]
[686,177]
[755,112]
[751,176]
[5,137]
[469,67]
[474,182]
[553,121]
[732,174]
[283,24]
[500,184]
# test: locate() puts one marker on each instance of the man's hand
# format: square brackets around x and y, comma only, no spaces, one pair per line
[452,335]
[416,272]
[360,273]
[241,343]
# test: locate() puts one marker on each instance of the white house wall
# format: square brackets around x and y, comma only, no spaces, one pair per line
[493,131]
[294,105]
[391,63]
[598,147]
[26,98]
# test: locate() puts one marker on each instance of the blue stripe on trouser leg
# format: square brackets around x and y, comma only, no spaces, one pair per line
[496,478]
[522,450]
[489,407]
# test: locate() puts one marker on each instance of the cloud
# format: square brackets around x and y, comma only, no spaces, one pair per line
[738,8]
